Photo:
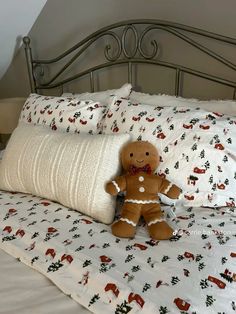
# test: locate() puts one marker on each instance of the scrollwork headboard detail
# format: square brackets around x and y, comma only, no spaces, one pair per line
[119,50]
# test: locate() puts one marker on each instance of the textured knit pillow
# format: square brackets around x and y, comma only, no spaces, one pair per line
[197,148]
[64,113]
[69,169]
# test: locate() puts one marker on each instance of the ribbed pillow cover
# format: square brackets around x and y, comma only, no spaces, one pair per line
[69,169]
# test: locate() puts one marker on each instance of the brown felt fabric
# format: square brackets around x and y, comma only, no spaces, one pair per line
[142,190]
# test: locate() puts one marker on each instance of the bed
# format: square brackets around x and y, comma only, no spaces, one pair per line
[80,266]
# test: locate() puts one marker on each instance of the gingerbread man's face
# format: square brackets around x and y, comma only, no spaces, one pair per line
[139,154]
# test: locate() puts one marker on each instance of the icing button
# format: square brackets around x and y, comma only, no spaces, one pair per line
[141,179]
[141,189]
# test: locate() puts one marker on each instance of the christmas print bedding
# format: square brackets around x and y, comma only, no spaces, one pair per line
[194,272]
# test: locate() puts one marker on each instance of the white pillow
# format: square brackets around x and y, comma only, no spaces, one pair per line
[64,113]
[104,96]
[197,148]
[69,169]
[224,106]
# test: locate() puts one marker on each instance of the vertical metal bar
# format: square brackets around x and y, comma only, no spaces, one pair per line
[234,95]
[178,82]
[91,82]
[29,61]
[130,78]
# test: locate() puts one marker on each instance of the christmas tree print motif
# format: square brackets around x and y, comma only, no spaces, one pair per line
[87,263]
[223,260]
[146,287]
[129,258]
[204,283]
[55,266]
[174,280]
[124,308]
[94,299]
[202,154]
[201,266]
[165,258]
[163,310]
[209,300]
[135,268]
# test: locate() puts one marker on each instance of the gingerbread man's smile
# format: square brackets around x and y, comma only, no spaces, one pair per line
[140,161]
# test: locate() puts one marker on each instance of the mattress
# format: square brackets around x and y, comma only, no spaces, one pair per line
[194,272]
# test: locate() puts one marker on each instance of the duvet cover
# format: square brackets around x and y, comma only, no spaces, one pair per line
[194,272]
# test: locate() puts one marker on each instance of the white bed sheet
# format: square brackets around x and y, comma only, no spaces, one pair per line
[23,290]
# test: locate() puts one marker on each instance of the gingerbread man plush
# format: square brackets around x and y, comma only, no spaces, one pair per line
[139,160]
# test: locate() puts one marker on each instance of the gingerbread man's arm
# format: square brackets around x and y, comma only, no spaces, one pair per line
[117,185]
[169,189]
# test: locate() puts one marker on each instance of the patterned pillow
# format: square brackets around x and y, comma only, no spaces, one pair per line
[104,96]
[64,113]
[224,106]
[197,148]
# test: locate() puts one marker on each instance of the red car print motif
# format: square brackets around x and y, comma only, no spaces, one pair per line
[105,259]
[20,232]
[221,186]
[199,170]
[83,122]
[218,114]
[71,120]
[86,221]
[230,204]
[136,118]
[150,119]
[142,247]
[188,126]
[219,146]
[161,136]
[189,197]
[217,281]
[116,129]
[112,287]
[189,255]
[45,203]
[51,230]
[7,229]
[137,298]
[67,258]
[51,253]
[204,127]
[181,304]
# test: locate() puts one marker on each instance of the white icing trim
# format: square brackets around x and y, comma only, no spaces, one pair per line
[116,186]
[168,188]
[128,221]
[155,221]
[142,201]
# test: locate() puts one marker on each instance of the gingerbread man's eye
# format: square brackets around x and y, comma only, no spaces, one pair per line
[131,154]
[147,153]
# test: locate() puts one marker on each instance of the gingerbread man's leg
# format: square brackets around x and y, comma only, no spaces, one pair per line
[125,227]
[157,226]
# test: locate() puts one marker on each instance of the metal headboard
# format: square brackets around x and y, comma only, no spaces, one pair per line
[130,56]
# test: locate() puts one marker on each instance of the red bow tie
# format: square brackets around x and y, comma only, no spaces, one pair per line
[133,170]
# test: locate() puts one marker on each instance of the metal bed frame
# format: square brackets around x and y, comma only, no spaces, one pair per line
[122,53]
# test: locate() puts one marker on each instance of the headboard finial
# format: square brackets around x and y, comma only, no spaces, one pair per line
[26,40]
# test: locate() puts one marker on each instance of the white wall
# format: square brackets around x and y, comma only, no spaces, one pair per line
[16,20]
